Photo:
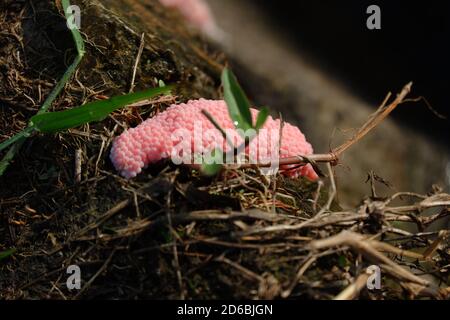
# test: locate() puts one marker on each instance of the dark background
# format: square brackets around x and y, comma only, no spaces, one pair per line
[411,45]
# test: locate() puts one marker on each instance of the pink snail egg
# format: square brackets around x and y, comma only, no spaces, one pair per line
[182,131]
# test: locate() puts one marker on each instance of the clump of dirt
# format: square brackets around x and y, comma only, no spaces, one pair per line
[172,233]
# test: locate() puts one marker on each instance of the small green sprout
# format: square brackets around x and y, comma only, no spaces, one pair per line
[7,253]
[240,113]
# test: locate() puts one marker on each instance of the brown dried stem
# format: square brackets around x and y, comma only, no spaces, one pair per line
[333,157]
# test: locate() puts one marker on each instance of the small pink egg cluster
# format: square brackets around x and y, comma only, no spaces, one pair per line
[185,128]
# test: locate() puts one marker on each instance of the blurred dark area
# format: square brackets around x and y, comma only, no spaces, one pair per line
[412,45]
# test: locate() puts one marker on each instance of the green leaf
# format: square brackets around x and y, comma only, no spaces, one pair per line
[211,169]
[7,253]
[95,111]
[261,119]
[237,102]
[343,262]
[212,163]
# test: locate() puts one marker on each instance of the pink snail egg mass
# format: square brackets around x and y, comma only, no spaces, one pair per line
[182,132]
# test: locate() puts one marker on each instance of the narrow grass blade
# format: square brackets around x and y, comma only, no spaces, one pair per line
[6,254]
[23,134]
[237,102]
[261,119]
[95,111]
[79,46]
[19,139]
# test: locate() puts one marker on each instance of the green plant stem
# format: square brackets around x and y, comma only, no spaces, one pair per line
[14,139]
[7,253]
[18,140]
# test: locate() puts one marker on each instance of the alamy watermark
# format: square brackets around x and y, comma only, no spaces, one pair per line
[74,280]
[374,280]
[73,14]
[374,20]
